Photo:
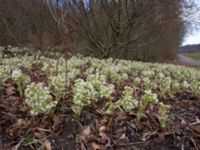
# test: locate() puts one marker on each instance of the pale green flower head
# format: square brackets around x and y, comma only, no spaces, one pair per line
[39,99]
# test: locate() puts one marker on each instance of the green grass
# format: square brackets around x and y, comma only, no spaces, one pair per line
[194,55]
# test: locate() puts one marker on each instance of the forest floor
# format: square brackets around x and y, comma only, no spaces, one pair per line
[94,131]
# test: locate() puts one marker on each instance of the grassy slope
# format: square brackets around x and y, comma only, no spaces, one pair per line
[194,55]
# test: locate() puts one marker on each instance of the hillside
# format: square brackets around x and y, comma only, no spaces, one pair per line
[101,104]
[190,48]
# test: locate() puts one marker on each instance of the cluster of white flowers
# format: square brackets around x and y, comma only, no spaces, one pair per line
[165,86]
[147,99]
[58,83]
[16,74]
[102,89]
[137,81]
[39,99]
[175,87]
[21,80]
[95,78]
[93,88]
[83,93]
[4,73]
[128,102]
[163,114]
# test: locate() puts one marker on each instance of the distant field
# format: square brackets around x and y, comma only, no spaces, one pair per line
[194,55]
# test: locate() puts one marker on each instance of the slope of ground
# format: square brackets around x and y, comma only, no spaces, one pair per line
[105,104]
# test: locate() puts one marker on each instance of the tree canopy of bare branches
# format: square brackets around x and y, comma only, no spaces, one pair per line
[130,29]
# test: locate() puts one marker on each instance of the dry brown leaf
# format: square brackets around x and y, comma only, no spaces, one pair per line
[39,134]
[1,147]
[147,135]
[57,120]
[85,133]
[96,146]
[103,132]
[10,90]
[196,128]
[46,145]
[118,133]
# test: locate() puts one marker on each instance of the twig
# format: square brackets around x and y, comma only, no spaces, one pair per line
[193,141]
[82,146]
[45,130]
[182,146]
[81,143]
[130,143]
[18,145]
[195,123]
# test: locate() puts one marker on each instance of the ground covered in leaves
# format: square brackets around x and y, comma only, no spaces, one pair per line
[101,105]
[62,130]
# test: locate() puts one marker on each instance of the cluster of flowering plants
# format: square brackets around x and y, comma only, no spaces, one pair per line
[58,83]
[163,114]
[128,102]
[102,89]
[21,80]
[147,99]
[115,81]
[39,99]
[83,93]
[4,75]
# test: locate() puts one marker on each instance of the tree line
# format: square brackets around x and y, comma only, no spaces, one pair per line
[128,29]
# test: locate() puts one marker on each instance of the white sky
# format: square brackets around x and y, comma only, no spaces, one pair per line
[193,38]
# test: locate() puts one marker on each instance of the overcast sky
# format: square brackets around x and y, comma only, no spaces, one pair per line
[194,36]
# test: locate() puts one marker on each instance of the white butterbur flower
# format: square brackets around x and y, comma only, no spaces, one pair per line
[106,91]
[185,85]
[161,75]
[21,80]
[39,99]
[4,73]
[163,114]
[137,81]
[147,99]
[146,83]
[83,92]
[58,83]
[128,102]
[150,97]
[16,74]
[175,87]
[148,73]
